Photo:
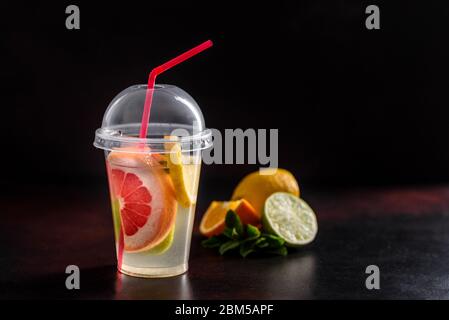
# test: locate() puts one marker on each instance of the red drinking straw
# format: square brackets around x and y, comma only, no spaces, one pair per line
[157,71]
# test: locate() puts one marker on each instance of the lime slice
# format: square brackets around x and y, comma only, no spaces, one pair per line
[164,245]
[290,218]
[116,218]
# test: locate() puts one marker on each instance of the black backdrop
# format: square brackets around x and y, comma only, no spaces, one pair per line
[353,106]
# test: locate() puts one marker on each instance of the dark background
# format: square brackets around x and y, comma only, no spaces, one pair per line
[353,106]
[362,118]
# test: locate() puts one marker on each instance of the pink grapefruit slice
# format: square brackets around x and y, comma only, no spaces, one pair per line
[146,199]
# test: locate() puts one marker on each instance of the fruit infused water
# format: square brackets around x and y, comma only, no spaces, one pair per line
[153,181]
[153,198]
[153,170]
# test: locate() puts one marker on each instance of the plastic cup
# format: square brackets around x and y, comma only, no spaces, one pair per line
[153,182]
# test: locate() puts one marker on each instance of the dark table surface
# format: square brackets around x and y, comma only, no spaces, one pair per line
[404,231]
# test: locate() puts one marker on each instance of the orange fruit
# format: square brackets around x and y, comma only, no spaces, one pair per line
[213,221]
[145,198]
[257,187]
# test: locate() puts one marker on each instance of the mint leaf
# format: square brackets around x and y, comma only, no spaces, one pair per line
[231,233]
[246,249]
[228,232]
[229,245]
[246,238]
[212,242]
[262,242]
[274,241]
[232,220]
[259,240]
[252,232]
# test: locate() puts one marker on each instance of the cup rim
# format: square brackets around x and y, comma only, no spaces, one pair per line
[108,139]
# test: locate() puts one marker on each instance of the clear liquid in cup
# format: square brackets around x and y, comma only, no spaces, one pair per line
[153,206]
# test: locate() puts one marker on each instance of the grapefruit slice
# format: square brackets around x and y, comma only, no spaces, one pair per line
[145,197]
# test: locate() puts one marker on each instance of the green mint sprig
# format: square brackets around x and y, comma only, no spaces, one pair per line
[246,238]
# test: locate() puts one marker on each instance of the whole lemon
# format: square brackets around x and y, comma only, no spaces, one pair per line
[257,187]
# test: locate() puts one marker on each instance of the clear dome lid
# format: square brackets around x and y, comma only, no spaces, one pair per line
[173,113]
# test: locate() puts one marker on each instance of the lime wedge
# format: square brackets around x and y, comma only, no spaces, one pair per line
[164,245]
[116,218]
[290,218]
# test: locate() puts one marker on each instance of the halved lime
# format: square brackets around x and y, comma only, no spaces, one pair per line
[290,218]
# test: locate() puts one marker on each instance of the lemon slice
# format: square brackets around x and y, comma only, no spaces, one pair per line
[184,172]
[290,218]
